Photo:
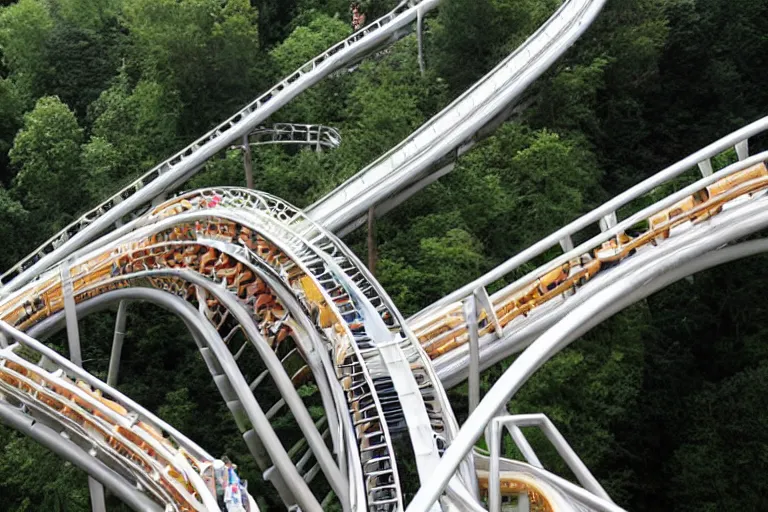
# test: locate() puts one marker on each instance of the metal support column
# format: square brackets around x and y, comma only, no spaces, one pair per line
[95,488]
[484,300]
[420,36]
[524,446]
[608,221]
[494,484]
[705,167]
[566,244]
[470,315]
[117,344]
[73,334]
[742,149]
[372,256]
[248,162]
[97,495]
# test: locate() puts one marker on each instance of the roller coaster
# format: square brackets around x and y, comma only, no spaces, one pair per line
[274,300]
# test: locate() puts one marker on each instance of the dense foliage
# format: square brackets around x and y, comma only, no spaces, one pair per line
[666,402]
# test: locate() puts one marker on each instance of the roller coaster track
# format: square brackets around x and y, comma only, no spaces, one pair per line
[315,135]
[697,248]
[152,256]
[41,390]
[564,312]
[268,294]
[389,384]
[406,168]
[173,172]
[502,329]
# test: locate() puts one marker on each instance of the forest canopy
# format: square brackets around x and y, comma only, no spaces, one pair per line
[664,403]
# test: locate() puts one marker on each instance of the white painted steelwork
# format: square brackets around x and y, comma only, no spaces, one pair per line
[179,168]
[458,123]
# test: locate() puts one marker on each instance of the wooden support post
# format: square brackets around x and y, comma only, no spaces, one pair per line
[372,256]
[248,162]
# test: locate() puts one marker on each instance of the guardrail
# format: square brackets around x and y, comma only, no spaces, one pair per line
[491,311]
[184,164]
[459,122]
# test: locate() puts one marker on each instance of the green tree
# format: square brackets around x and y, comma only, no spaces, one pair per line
[322,103]
[32,478]
[47,154]
[13,219]
[10,121]
[95,15]
[206,50]
[725,440]
[439,265]
[78,64]
[133,130]
[465,40]
[275,18]
[24,31]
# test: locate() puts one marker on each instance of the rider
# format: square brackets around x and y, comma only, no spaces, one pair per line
[233,496]
[358,18]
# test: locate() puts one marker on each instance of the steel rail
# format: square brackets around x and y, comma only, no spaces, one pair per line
[183,165]
[71,452]
[609,207]
[749,219]
[459,122]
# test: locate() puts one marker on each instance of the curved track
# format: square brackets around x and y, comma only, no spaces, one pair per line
[689,253]
[48,398]
[503,331]
[173,172]
[268,294]
[406,168]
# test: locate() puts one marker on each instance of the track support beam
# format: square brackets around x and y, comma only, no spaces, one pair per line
[117,344]
[742,149]
[73,333]
[470,315]
[705,166]
[97,495]
[372,249]
[248,162]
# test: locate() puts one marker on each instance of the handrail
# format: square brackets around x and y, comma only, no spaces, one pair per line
[105,427]
[459,121]
[184,164]
[607,208]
